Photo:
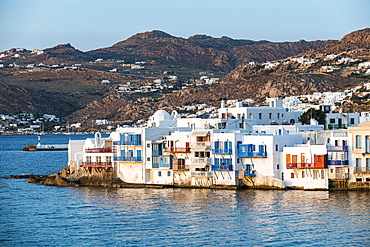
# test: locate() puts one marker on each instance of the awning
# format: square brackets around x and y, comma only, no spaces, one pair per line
[200,133]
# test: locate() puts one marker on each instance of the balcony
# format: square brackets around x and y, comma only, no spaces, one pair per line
[305,165]
[222,151]
[338,176]
[127,143]
[222,167]
[337,148]
[100,150]
[253,154]
[156,153]
[201,161]
[97,164]
[128,159]
[201,145]
[200,174]
[178,167]
[162,164]
[177,149]
[337,126]
[362,170]
[337,162]
[247,173]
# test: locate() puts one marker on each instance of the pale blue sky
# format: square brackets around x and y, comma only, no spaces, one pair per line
[92,24]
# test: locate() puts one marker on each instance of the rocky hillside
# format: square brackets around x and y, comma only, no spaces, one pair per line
[234,86]
[353,41]
[201,51]
[78,91]
[52,91]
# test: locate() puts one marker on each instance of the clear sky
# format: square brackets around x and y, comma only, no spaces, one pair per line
[93,24]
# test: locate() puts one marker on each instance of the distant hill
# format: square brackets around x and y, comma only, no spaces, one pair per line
[80,94]
[201,51]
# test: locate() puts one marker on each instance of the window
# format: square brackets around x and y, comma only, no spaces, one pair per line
[244,149]
[88,158]
[108,158]
[322,174]
[332,120]
[288,158]
[358,141]
[148,145]
[155,160]
[148,159]
[278,166]
[303,174]
[260,115]
[159,174]
[352,121]
[276,147]
[315,174]
[202,154]
[292,175]
[270,115]
[98,158]
[303,158]
[358,162]
[168,174]
[278,116]
[166,159]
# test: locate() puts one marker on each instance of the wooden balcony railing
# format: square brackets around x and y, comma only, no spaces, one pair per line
[177,149]
[304,165]
[96,164]
[362,170]
[100,150]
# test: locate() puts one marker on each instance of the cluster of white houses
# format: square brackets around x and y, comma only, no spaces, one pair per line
[253,146]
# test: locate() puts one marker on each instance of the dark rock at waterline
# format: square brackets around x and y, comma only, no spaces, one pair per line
[24,176]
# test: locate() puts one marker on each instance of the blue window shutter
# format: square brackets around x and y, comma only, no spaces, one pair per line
[216,145]
[122,153]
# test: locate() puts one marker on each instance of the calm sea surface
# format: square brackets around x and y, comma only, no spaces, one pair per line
[37,215]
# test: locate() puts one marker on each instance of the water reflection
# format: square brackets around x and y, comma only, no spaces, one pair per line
[223,216]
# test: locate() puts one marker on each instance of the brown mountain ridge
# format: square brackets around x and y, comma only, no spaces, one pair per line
[81,95]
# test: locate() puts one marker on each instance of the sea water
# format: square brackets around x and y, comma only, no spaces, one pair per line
[37,215]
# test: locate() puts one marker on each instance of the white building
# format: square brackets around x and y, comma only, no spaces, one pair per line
[274,114]
[341,120]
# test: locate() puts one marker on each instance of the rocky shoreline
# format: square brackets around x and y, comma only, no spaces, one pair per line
[109,181]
